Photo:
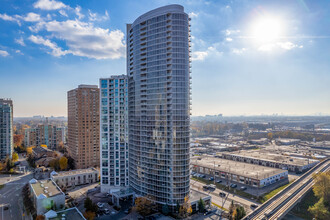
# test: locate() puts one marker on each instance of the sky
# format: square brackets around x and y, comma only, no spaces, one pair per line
[248,57]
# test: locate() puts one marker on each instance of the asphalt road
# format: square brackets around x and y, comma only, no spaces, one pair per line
[10,194]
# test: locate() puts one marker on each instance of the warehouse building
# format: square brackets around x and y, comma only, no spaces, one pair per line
[293,164]
[243,173]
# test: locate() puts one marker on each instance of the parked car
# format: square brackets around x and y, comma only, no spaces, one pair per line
[6,207]
[219,181]
[126,211]
[203,176]
[222,194]
[106,211]
[253,206]
[243,188]
[233,185]
[100,205]
[206,187]
[211,178]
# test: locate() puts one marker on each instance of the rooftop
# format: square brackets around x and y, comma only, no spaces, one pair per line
[277,158]
[46,187]
[238,168]
[71,213]
[75,172]
[196,195]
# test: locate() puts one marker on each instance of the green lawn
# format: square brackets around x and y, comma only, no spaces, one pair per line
[269,195]
[1,186]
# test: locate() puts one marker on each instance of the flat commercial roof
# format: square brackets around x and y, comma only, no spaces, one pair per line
[46,187]
[75,172]
[72,213]
[196,195]
[276,158]
[238,168]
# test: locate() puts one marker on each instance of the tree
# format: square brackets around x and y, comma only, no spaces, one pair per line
[144,206]
[231,210]
[90,206]
[89,215]
[319,210]
[201,205]
[270,136]
[55,164]
[40,217]
[18,140]
[240,212]
[63,163]
[71,163]
[321,187]
[9,164]
[185,208]
[15,156]
[165,209]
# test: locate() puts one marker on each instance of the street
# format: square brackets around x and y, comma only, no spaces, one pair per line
[10,194]
[219,200]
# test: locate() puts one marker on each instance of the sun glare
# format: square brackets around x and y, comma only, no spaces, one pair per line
[267,29]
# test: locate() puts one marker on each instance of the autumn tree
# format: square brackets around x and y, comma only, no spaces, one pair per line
[319,210]
[89,215]
[40,217]
[18,140]
[55,164]
[144,206]
[270,136]
[15,156]
[63,163]
[185,208]
[321,190]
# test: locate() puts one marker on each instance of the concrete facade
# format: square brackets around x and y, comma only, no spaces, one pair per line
[293,164]
[46,195]
[114,133]
[231,171]
[158,70]
[74,178]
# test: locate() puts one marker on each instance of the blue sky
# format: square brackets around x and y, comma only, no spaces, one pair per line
[249,57]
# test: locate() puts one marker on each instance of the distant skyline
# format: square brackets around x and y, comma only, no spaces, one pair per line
[249,57]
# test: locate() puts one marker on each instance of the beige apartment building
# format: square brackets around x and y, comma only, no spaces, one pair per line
[84,126]
[74,178]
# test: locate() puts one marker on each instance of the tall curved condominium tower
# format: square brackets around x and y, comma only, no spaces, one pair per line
[158,69]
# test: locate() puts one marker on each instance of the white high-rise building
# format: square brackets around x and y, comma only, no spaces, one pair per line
[158,70]
[114,133]
[6,128]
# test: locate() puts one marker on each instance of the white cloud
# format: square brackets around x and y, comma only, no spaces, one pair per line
[279,45]
[238,51]
[4,53]
[78,13]
[229,39]
[231,32]
[63,13]
[83,39]
[193,15]
[32,17]
[9,18]
[201,55]
[19,52]
[20,41]
[95,17]
[56,51]
[49,5]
